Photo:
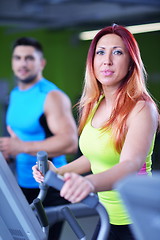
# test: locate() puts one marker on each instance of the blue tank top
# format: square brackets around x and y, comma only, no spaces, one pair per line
[25,115]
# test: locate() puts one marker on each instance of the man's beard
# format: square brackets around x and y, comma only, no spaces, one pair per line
[27,80]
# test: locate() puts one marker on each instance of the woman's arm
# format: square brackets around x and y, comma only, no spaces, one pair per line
[142,125]
[80,166]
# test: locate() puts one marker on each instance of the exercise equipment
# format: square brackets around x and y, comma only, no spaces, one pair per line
[66,212]
[141,196]
[19,220]
[87,207]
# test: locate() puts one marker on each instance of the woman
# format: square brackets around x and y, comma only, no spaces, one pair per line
[118,121]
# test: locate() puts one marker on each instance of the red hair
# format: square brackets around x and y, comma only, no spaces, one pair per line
[132,89]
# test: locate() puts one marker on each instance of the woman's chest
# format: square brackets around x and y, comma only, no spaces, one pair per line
[98,147]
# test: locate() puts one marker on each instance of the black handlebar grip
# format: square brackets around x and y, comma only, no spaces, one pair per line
[41,212]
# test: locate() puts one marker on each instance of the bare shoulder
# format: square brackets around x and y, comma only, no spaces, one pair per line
[145,107]
[58,95]
[58,98]
[144,110]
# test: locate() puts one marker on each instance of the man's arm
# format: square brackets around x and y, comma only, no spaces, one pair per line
[61,123]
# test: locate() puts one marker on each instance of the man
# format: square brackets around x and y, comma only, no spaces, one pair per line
[39,117]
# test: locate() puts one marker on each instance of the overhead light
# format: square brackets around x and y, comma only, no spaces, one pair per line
[144,28]
[88,35]
[151,27]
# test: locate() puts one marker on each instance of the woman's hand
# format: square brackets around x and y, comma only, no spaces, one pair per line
[76,187]
[38,176]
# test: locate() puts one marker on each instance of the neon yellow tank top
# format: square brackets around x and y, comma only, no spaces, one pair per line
[99,150]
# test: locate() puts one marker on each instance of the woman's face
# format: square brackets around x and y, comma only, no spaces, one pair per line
[111,60]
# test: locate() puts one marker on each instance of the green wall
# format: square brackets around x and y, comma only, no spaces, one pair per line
[66,57]
[149,44]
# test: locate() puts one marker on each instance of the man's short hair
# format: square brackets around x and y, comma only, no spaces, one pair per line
[28,41]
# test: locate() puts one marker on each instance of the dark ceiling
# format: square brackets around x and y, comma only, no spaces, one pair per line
[84,14]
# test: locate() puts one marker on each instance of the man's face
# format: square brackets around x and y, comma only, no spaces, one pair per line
[27,64]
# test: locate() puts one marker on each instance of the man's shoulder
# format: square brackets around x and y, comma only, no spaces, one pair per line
[14,90]
[47,86]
